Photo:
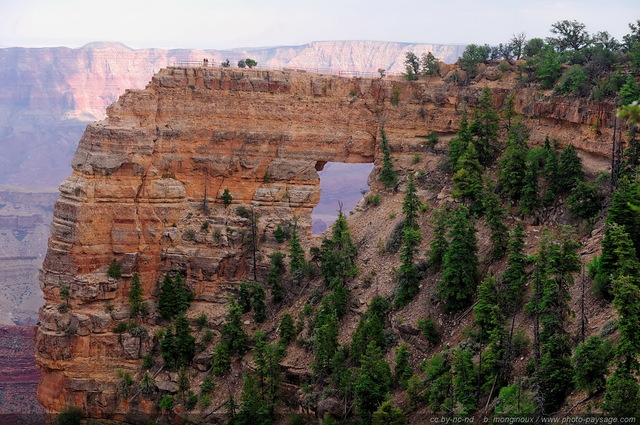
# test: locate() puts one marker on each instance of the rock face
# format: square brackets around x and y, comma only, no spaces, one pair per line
[147,183]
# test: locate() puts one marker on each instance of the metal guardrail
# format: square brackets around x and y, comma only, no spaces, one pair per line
[321,71]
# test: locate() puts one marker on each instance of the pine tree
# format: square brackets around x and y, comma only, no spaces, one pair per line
[557,259]
[569,171]
[459,275]
[253,408]
[513,164]
[464,378]
[514,277]
[287,329]
[495,214]
[268,370]
[325,338]
[371,328]
[296,254]
[168,348]
[372,382]
[485,127]
[487,313]
[591,364]
[458,145]
[135,296]
[530,197]
[185,343]
[233,335]
[276,271]
[438,378]
[387,176]
[387,414]
[467,180]
[439,245]
[402,370]
[408,278]
[221,359]
[338,255]
[257,302]
[174,297]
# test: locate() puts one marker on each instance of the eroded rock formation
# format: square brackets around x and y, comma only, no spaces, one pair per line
[147,184]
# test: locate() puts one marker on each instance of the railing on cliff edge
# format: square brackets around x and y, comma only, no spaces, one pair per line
[321,71]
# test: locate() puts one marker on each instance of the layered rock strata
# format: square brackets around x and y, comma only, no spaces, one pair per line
[147,184]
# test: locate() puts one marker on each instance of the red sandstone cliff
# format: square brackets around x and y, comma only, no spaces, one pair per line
[147,177]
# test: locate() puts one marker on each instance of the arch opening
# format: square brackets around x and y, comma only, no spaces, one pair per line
[339,182]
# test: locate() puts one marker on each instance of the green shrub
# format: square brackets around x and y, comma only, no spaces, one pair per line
[121,328]
[573,81]
[429,330]
[114,269]
[70,415]
[373,200]
[167,403]
[585,200]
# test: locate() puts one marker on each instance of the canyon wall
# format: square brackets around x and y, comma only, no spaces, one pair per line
[147,182]
[49,95]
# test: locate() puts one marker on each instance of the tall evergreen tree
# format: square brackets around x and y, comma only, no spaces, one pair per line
[338,255]
[591,363]
[372,382]
[325,342]
[495,214]
[487,312]
[569,172]
[233,335]
[557,260]
[371,328]
[274,276]
[458,145]
[513,164]
[467,180]
[387,176]
[484,127]
[296,254]
[464,379]
[408,278]
[185,343]
[514,277]
[135,296]
[439,245]
[438,377]
[460,265]
[402,370]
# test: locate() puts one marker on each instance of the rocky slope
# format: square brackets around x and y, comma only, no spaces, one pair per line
[147,178]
